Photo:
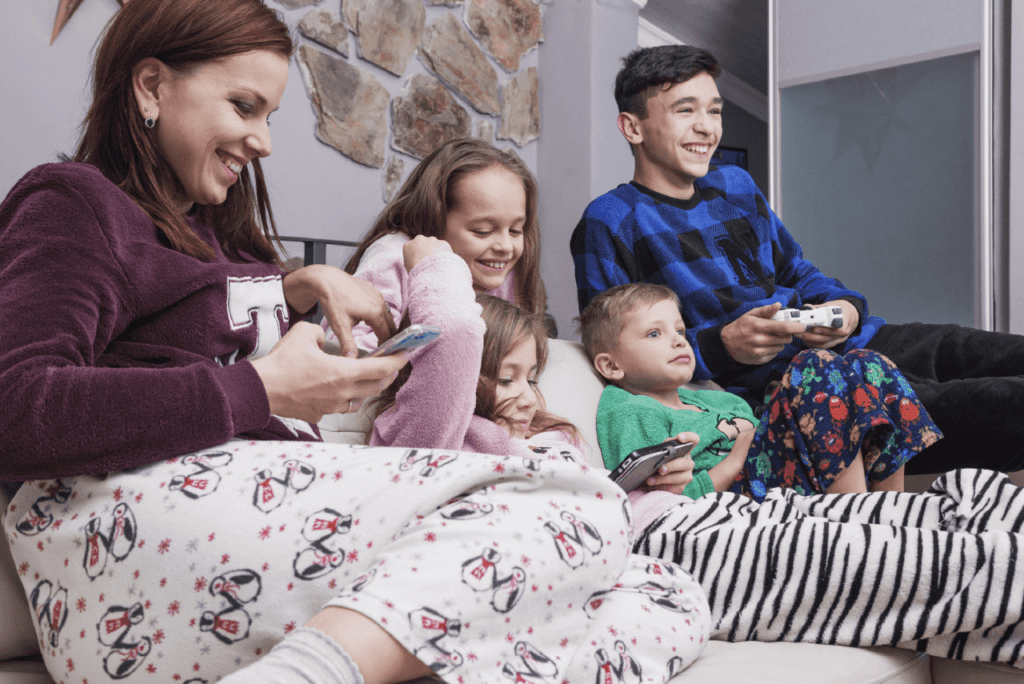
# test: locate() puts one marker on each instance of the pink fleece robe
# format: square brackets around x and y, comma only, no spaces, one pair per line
[435,406]
[383,266]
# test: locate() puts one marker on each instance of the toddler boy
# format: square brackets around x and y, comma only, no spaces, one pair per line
[835,424]
[635,337]
[814,569]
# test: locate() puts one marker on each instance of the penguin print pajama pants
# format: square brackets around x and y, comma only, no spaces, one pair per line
[938,572]
[487,568]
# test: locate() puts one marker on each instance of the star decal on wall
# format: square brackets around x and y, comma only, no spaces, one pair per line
[64,12]
[866,107]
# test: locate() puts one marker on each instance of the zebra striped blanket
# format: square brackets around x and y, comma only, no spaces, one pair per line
[934,572]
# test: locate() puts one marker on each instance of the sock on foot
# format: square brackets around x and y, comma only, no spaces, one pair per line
[306,656]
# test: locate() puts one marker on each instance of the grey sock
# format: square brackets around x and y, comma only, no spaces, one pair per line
[306,656]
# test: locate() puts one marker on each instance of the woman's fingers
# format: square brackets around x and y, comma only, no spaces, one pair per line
[344,300]
[302,381]
[379,373]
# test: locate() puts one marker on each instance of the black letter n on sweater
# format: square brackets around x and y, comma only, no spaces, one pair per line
[740,246]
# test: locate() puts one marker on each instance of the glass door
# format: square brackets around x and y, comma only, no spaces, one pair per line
[882,150]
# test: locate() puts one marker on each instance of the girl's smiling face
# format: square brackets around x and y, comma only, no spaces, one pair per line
[516,387]
[213,119]
[485,225]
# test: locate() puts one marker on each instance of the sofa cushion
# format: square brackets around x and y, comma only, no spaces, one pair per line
[785,663]
[572,389]
[17,638]
[350,428]
[958,671]
[23,672]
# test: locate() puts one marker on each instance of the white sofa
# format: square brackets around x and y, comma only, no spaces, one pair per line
[572,390]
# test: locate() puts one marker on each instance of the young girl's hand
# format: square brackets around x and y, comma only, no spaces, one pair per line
[419,248]
[677,473]
[344,300]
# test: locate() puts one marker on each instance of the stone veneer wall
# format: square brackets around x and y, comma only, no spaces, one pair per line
[459,49]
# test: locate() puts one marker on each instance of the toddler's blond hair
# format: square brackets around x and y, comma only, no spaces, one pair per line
[603,319]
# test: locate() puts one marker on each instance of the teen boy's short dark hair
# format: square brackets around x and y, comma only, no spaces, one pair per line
[645,71]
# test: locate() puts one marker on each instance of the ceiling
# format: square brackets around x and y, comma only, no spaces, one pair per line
[734,31]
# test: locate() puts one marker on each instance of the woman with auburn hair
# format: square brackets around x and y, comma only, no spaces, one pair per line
[479,199]
[172,508]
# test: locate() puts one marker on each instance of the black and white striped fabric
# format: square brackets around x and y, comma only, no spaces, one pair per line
[935,572]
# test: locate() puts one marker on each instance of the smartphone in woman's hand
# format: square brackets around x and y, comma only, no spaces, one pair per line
[416,335]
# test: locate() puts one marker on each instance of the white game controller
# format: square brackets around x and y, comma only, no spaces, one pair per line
[822,317]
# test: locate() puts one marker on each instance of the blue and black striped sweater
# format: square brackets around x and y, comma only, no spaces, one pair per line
[723,251]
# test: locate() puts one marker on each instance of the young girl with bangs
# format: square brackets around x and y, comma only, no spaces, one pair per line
[483,203]
[475,388]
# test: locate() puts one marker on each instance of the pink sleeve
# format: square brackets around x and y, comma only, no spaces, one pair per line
[507,290]
[383,266]
[435,406]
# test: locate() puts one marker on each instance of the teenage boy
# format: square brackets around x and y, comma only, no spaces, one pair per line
[708,234]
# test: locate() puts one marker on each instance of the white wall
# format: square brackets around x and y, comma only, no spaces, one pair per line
[582,154]
[819,40]
[45,89]
[315,190]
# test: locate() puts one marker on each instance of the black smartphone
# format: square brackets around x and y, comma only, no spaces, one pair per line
[643,463]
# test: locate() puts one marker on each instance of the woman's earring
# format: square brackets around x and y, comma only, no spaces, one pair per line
[149,122]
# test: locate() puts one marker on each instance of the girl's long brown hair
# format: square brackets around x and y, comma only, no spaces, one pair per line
[182,34]
[422,204]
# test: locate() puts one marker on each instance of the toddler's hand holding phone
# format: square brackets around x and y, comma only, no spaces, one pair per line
[674,475]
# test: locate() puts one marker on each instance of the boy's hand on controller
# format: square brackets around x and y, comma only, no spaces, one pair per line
[677,473]
[419,248]
[754,338]
[826,338]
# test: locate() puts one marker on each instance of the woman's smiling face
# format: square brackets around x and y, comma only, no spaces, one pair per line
[213,119]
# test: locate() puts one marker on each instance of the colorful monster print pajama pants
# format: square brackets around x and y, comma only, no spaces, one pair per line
[828,409]
[936,572]
[485,567]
